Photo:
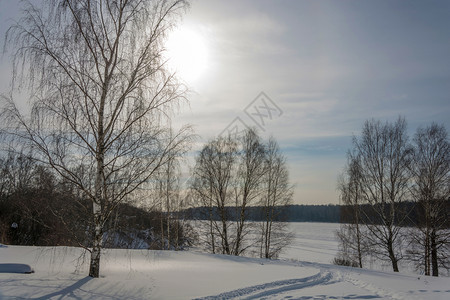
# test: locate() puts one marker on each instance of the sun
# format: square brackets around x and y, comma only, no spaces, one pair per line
[187,54]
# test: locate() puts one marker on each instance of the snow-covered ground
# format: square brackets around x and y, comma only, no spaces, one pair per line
[303,272]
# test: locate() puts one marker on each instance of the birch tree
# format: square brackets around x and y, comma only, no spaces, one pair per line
[248,181]
[169,202]
[431,190]
[276,196]
[350,235]
[385,156]
[212,186]
[101,96]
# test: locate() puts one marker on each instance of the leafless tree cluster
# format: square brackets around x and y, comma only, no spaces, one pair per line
[41,209]
[101,97]
[385,172]
[37,208]
[233,174]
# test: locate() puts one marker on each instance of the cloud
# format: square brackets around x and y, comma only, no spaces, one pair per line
[329,65]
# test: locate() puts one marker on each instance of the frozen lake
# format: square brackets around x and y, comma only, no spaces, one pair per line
[314,242]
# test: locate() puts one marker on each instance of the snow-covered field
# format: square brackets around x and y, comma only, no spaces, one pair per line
[303,272]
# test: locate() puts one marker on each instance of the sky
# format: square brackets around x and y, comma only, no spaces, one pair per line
[308,73]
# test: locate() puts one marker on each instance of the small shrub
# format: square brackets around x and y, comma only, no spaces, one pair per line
[345,262]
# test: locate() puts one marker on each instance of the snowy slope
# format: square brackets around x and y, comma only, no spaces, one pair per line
[60,273]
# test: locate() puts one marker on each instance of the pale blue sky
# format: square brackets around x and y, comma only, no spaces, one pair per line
[329,66]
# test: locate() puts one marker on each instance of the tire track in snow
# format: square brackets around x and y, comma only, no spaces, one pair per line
[274,288]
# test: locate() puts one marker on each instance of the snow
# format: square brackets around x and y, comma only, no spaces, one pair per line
[16,268]
[313,242]
[303,272]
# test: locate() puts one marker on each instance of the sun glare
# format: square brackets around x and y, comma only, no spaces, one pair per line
[187,54]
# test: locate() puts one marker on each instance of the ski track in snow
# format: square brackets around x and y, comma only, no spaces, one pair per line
[324,277]
[381,292]
[274,288]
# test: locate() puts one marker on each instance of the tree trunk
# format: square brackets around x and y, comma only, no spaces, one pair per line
[392,257]
[211,229]
[240,227]
[225,244]
[162,229]
[434,258]
[358,230]
[427,252]
[98,203]
[358,240]
[262,240]
[224,219]
[168,222]
[266,233]
[269,233]
[94,268]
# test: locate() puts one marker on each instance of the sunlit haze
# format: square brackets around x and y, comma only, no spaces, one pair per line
[187,54]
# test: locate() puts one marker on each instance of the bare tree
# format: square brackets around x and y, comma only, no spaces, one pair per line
[276,196]
[351,196]
[431,190]
[212,186]
[169,201]
[248,181]
[385,156]
[100,96]
[171,195]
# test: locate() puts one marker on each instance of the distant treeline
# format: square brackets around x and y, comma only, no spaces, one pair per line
[406,213]
[38,208]
[314,213]
[291,213]
[330,213]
